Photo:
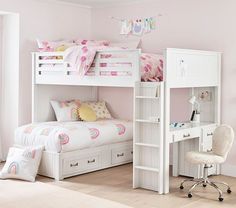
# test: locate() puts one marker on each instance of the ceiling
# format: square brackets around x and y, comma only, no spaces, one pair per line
[99,3]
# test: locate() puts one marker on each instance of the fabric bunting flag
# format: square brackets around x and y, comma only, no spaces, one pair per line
[138,26]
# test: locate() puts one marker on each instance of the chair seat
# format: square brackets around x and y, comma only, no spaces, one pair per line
[204,158]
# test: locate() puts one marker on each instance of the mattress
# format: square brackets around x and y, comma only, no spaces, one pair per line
[69,136]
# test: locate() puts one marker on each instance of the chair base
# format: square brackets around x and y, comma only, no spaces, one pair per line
[204,182]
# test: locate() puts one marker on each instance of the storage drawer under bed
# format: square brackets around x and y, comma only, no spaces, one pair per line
[120,155]
[80,164]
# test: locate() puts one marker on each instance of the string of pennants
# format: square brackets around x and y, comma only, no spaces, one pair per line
[137,26]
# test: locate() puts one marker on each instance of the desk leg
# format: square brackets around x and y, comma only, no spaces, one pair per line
[175,168]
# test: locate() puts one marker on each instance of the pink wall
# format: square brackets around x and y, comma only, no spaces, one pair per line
[0,46]
[45,20]
[119,101]
[205,25]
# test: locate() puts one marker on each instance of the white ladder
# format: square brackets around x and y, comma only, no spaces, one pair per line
[148,136]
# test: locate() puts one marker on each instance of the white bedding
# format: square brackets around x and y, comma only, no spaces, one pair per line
[69,136]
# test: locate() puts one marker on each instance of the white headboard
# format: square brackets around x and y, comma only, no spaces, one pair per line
[43,94]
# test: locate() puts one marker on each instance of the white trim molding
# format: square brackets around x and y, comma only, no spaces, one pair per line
[98,4]
[65,3]
[228,170]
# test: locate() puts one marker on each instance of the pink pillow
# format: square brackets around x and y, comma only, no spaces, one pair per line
[151,67]
[91,42]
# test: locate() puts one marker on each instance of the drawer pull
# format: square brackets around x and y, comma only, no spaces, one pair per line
[74,165]
[186,135]
[120,155]
[91,161]
[210,134]
[209,150]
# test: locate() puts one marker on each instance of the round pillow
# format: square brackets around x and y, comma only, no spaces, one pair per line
[86,113]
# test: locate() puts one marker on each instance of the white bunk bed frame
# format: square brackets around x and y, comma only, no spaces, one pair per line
[53,78]
[183,68]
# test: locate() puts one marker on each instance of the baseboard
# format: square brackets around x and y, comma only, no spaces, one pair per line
[228,170]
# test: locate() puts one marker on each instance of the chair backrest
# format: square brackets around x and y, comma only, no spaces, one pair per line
[222,140]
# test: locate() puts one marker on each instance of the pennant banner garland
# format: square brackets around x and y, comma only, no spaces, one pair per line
[138,26]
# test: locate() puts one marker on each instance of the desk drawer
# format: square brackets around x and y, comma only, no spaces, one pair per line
[184,134]
[207,134]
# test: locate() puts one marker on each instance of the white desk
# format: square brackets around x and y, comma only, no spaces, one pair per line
[190,137]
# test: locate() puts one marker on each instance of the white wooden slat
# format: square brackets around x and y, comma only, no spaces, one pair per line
[118,69]
[55,69]
[147,168]
[50,61]
[112,60]
[147,144]
[46,54]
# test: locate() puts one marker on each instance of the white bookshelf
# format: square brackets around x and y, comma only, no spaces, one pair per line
[148,136]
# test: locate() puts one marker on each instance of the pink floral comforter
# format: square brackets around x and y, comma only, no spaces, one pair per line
[151,67]
[82,57]
[80,54]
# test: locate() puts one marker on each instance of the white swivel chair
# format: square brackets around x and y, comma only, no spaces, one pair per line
[222,141]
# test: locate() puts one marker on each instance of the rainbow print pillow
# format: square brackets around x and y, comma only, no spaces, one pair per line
[66,110]
[22,163]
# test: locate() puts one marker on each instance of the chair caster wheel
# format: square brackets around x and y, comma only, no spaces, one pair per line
[181,187]
[204,185]
[221,199]
[190,195]
[229,191]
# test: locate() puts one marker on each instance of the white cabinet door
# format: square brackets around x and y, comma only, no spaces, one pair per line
[192,68]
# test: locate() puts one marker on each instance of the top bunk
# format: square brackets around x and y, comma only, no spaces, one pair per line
[117,67]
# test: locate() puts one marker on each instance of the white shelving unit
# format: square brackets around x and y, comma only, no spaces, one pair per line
[148,136]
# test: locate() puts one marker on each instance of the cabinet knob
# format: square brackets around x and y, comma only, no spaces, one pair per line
[120,155]
[186,135]
[91,161]
[210,134]
[74,165]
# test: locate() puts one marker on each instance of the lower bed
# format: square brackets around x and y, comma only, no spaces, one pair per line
[73,148]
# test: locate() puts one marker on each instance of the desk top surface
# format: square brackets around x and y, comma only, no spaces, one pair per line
[188,125]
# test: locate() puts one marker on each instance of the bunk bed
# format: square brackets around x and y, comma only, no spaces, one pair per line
[148,147]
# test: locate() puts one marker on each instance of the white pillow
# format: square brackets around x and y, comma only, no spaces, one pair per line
[66,110]
[22,163]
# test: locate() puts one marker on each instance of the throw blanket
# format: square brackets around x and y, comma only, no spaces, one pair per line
[81,57]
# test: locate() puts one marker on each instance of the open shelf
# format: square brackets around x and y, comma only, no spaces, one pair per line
[147,144]
[147,168]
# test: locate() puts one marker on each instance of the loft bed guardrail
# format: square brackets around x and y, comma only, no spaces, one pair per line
[118,68]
